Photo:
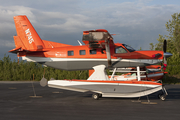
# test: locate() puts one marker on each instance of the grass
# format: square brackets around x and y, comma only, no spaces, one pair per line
[174,79]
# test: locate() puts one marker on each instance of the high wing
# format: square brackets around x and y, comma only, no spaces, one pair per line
[99,38]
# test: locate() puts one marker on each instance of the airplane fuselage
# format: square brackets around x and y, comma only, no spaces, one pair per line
[83,58]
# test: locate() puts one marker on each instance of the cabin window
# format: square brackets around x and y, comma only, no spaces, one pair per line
[82,52]
[92,51]
[70,53]
[120,50]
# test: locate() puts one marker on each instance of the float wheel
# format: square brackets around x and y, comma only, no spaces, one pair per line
[95,96]
[162,97]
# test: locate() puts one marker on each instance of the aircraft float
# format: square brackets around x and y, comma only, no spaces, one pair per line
[99,53]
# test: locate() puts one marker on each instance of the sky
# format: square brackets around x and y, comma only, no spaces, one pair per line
[136,22]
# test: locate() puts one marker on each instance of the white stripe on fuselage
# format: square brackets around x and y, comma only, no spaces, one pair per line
[48,59]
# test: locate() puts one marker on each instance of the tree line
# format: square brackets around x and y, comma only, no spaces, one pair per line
[22,71]
[173,44]
[28,71]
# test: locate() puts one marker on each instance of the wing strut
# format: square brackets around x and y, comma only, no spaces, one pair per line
[108,54]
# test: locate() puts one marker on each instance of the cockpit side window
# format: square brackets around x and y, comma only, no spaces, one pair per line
[120,50]
[129,48]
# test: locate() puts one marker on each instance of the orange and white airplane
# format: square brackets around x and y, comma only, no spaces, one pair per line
[99,49]
[99,52]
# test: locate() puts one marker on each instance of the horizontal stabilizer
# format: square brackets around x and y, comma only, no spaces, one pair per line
[15,50]
[19,49]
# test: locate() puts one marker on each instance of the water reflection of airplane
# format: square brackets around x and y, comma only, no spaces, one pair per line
[99,52]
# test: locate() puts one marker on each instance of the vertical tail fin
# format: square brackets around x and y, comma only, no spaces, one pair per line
[27,38]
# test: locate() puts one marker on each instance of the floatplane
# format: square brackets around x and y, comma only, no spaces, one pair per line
[99,53]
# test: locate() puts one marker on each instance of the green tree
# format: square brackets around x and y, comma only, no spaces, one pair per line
[140,48]
[23,71]
[151,46]
[173,44]
[173,39]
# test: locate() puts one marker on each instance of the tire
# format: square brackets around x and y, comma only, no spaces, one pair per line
[95,96]
[162,97]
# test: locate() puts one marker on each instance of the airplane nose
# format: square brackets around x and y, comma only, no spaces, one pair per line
[167,54]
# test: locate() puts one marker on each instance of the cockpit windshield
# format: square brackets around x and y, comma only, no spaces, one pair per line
[129,48]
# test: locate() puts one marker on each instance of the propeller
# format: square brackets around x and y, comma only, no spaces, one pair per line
[164,50]
[166,54]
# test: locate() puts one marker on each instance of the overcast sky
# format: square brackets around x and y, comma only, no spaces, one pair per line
[138,22]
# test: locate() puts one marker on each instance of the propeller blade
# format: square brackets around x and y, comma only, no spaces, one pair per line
[164,46]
